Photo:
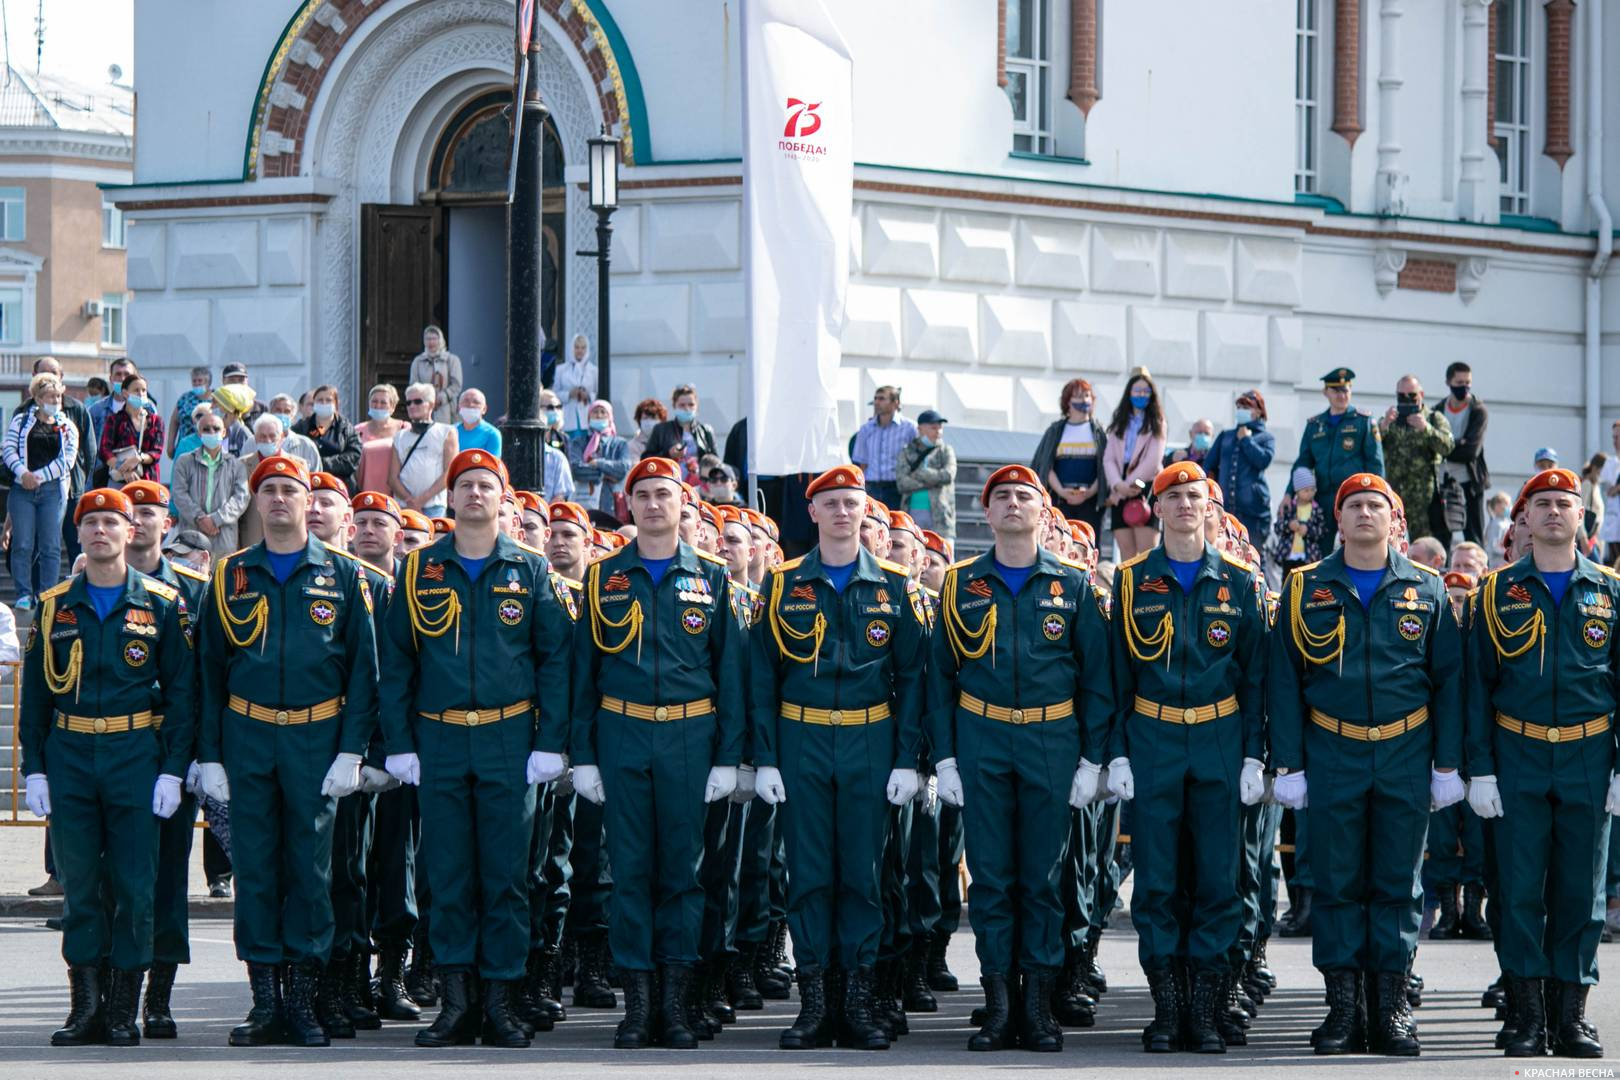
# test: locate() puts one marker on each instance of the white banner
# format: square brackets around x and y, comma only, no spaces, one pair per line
[798,180]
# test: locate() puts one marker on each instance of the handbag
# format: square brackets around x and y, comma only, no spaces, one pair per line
[1135,511]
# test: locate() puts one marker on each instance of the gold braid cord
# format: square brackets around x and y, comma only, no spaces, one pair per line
[1137,642]
[258,618]
[1533,630]
[59,682]
[967,644]
[817,632]
[630,624]
[430,619]
[1304,640]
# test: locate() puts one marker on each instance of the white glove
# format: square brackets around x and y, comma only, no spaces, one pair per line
[1251,782]
[1484,797]
[38,795]
[768,782]
[928,795]
[193,776]
[213,782]
[406,768]
[1446,789]
[343,778]
[588,784]
[1083,790]
[746,778]
[1121,784]
[903,784]
[949,782]
[374,780]
[1290,791]
[1612,803]
[543,767]
[722,782]
[166,796]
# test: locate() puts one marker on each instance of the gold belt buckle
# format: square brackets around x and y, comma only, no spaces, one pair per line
[661,713]
[472,717]
[1553,735]
[1017,716]
[1189,715]
[100,725]
[281,717]
[1373,734]
[835,717]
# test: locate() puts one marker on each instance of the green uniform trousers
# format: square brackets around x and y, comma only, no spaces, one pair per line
[1552,851]
[171,913]
[722,851]
[896,915]
[653,775]
[1257,877]
[391,871]
[922,871]
[952,848]
[351,846]
[1186,782]
[759,885]
[548,908]
[835,821]
[478,825]
[104,838]
[281,838]
[1015,781]
[590,882]
[1369,804]
[1108,875]
[1456,848]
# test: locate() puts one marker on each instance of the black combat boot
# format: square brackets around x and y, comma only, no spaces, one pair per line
[1447,920]
[355,992]
[813,1028]
[635,1030]
[774,958]
[501,1028]
[1575,1037]
[1529,1038]
[263,1024]
[861,1029]
[674,1000]
[123,998]
[916,995]
[992,1034]
[1208,994]
[1394,1032]
[157,1019]
[329,1001]
[422,981]
[1342,1032]
[1231,1020]
[1162,1036]
[1073,1004]
[1039,1031]
[457,1022]
[298,1011]
[1096,980]
[591,989]
[715,1002]
[393,1000]
[1495,995]
[940,977]
[1507,1010]
[1298,920]
[1259,971]
[741,990]
[84,1021]
[545,986]
[704,1026]
[886,1008]
[1474,927]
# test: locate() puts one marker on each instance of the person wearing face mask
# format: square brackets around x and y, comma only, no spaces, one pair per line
[302,447]
[1465,464]
[1238,460]
[650,412]
[419,475]
[377,438]
[1131,461]
[1200,437]
[1416,442]
[551,414]
[210,486]
[180,415]
[926,476]
[683,437]
[335,438]
[1069,457]
[474,432]
[132,437]
[599,459]
[41,447]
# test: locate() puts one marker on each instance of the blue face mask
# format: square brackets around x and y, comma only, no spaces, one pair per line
[137,400]
[286,421]
[1202,440]
[91,399]
[685,416]
[324,410]
[553,417]
[379,414]
[1141,400]
[211,441]
[1243,416]
[599,424]
[926,441]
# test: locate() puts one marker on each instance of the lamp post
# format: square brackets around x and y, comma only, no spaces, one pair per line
[604,170]
[524,433]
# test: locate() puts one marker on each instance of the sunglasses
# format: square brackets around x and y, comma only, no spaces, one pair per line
[416,401]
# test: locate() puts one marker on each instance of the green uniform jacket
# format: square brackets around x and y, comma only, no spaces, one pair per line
[1215,648]
[192,586]
[1401,652]
[668,644]
[1336,452]
[117,675]
[455,643]
[317,641]
[867,651]
[1567,670]
[1048,644]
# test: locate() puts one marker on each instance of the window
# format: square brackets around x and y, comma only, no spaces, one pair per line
[112,225]
[112,320]
[1029,75]
[1511,124]
[1307,43]
[11,320]
[13,211]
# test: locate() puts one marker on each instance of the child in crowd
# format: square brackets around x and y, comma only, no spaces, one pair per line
[1302,532]
[1496,526]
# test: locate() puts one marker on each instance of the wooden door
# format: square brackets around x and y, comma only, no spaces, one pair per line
[401,290]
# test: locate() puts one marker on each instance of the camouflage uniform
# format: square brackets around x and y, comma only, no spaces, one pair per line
[1410,459]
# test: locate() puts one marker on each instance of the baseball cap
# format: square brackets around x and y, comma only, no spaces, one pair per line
[1546,453]
[929,416]
[233,368]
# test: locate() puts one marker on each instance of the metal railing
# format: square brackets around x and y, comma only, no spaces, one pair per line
[11,672]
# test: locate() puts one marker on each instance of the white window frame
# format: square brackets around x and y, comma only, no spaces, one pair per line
[13,213]
[1033,134]
[1513,134]
[12,318]
[1307,96]
[114,320]
[114,230]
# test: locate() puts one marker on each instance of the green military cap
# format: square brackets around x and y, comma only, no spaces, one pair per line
[1339,376]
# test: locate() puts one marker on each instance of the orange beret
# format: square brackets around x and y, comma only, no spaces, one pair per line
[108,499]
[1010,474]
[146,493]
[1182,472]
[836,479]
[1363,482]
[570,513]
[442,525]
[325,481]
[1216,495]
[730,515]
[706,512]
[533,503]
[770,528]
[1456,579]
[753,518]
[1237,528]
[377,502]
[935,542]
[1082,532]
[603,540]
[653,468]
[900,521]
[415,519]
[279,465]
[468,460]
[1551,480]
[877,511]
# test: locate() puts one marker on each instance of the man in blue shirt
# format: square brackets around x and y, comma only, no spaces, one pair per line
[474,432]
[878,444]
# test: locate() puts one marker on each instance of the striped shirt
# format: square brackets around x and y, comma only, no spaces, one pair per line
[558,478]
[878,446]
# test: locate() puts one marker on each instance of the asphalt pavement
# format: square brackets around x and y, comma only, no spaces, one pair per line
[211,997]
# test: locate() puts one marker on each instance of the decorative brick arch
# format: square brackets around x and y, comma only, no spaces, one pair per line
[320,29]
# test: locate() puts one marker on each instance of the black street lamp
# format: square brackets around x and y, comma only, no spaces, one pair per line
[604,170]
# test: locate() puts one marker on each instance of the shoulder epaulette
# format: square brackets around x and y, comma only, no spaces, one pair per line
[1134,560]
[530,549]
[1306,567]
[352,557]
[1428,569]
[746,590]
[958,565]
[161,590]
[1247,568]
[789,565]
[1608,570]
[1071,564]
[893,567]
[185,571]
[704,555]
[56,590]
[568,581]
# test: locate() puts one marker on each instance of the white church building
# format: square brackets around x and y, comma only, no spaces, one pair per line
[1233,194]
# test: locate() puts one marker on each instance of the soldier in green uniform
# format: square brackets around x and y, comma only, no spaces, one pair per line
[1342,440]
[1543,645]
[109,639]
[1189,673]
[658,731]
[1018,694]
[937,971]
[836,682]
[171,936]
[289,680]
[476,647]
[1364,697]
